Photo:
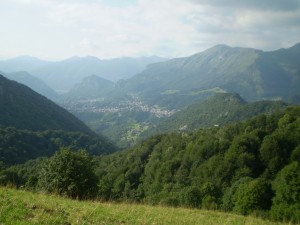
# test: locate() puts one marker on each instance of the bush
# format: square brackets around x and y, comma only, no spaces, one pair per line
[229,197]
[191,197]
[286,203]
[252,196]
[70,174]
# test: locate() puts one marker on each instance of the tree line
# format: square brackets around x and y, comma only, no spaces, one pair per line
[249,167]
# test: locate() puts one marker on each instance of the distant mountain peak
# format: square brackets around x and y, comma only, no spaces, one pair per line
[27,58]
[93,76]
[79,58]
[220,46]
[95,79]
[296,46]
[233,97]
[90,87]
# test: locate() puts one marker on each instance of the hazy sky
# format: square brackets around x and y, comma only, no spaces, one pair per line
[58,29]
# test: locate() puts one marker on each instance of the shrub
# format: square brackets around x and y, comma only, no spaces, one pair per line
[252,196]
[70,174]
[286,203]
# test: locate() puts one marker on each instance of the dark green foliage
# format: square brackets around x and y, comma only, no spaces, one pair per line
[230,197]
[25,175]
[226,168]
[19,146]
[250,167]
[286,203]
[253,195]
[191,196]
[70,174]
[296,154]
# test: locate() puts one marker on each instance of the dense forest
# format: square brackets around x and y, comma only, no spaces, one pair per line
[19,146]
[249,167]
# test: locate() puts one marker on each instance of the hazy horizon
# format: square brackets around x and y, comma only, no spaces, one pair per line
[56,30]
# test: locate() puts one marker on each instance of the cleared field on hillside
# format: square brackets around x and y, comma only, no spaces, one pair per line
[21,207]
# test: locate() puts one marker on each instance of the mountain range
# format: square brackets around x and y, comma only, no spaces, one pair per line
[169,86]
[22,63]
[63,75]
[254,74]
[177,83]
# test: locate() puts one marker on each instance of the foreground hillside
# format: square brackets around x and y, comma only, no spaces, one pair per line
[21,207]
[245,167]
[251,167]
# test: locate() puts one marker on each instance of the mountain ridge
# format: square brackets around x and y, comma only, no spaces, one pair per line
[62,75]
[218,110]
[90,87]
[34,83]
[252,73]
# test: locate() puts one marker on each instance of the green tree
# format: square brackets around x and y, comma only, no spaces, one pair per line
[191,196]
[229,197]
[252,196]
[70,174]
[286,203]
[209,196]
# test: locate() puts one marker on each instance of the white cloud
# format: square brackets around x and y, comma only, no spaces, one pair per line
[112,28]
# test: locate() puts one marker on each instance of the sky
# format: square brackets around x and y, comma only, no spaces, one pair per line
[59,29]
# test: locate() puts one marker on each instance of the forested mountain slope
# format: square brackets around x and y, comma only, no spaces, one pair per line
[218,110]
[23,108]
[18,146]
[34,83]
[244,167]
[250,167]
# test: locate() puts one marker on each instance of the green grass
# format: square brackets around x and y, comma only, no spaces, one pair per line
[213,90]
[170,92]
[21,207]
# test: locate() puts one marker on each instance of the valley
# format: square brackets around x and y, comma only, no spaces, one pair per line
[163,89]
[122,121]
[150,112]
[129,104]
[217,131]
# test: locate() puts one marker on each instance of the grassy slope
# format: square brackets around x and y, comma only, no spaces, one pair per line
[20,207]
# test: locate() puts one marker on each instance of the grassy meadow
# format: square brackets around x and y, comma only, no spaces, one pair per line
[22,207]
